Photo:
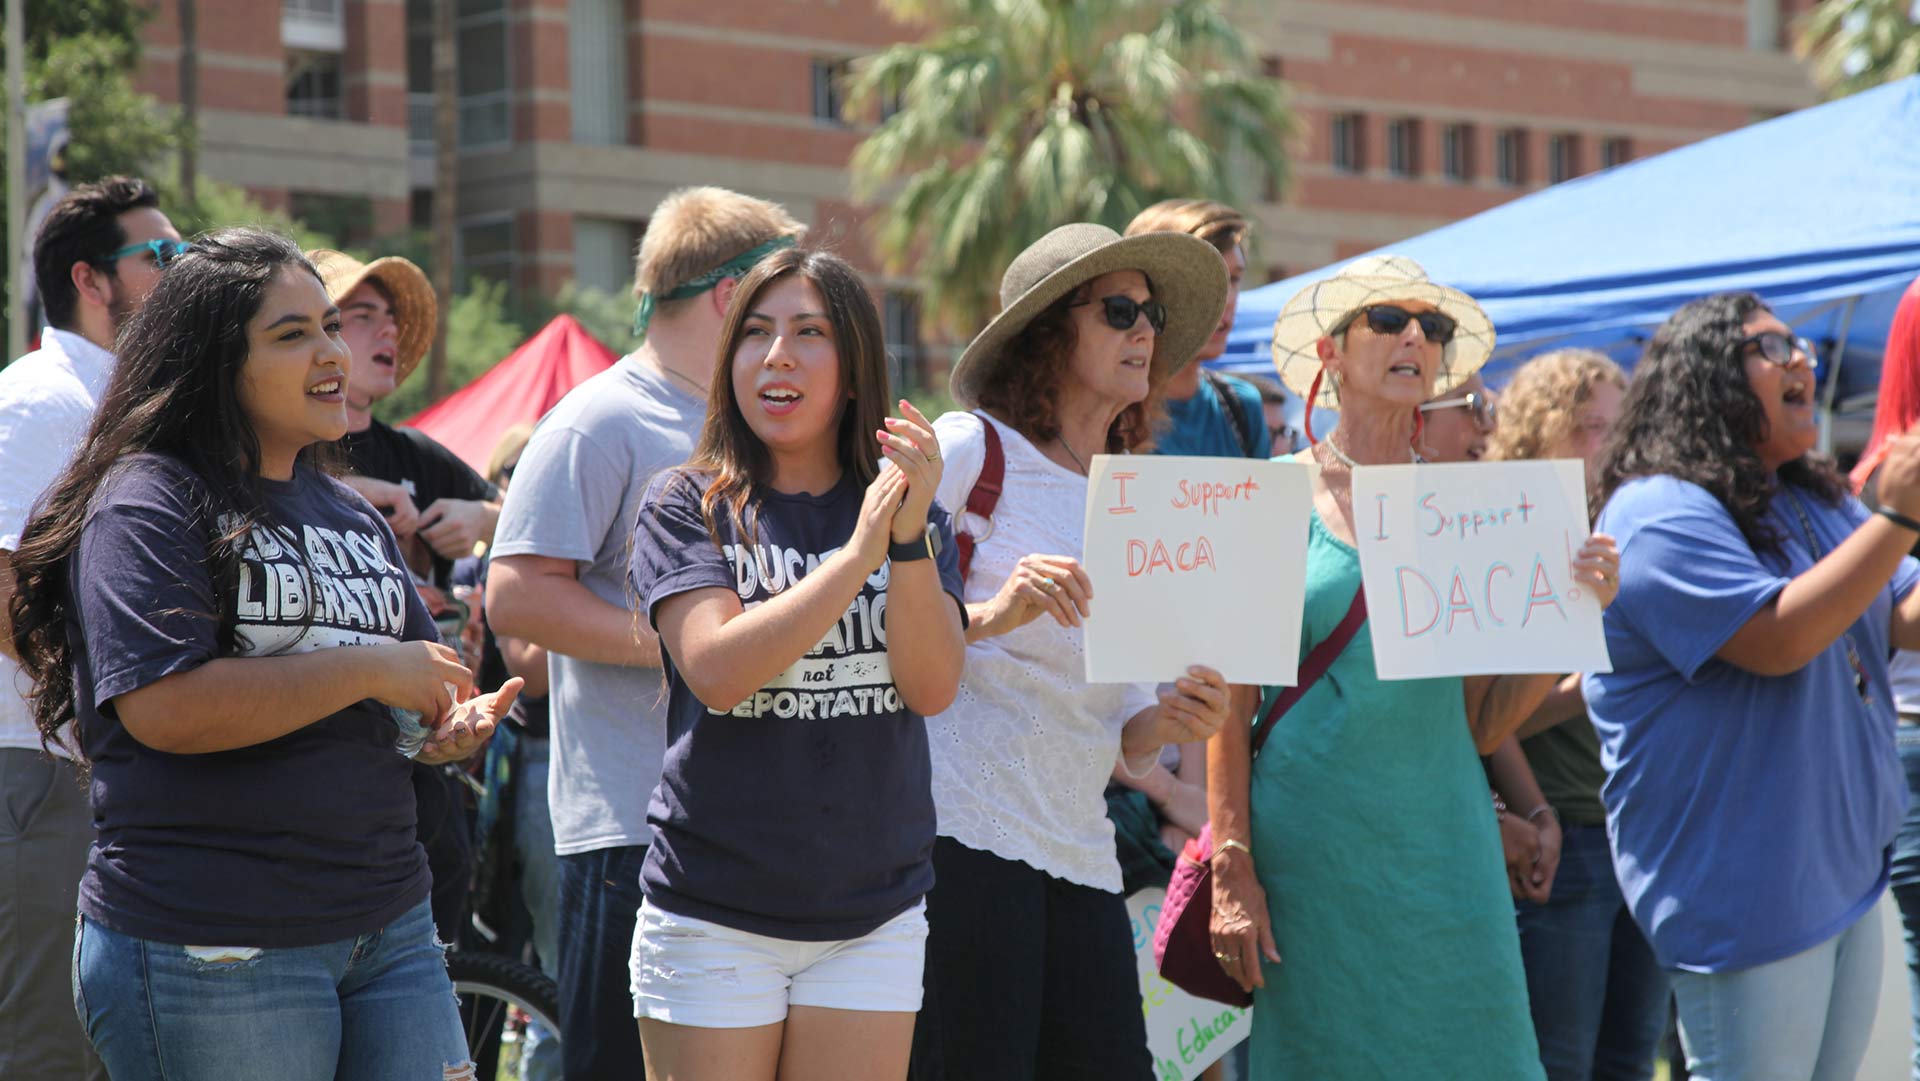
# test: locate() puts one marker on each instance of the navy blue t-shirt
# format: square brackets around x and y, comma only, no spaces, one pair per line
[806,813]
[302,840]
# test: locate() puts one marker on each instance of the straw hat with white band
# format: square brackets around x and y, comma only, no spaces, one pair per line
[1321,308]
[414,306]
[1186,274]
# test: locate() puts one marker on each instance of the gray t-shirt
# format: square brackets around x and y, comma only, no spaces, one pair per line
[576,495]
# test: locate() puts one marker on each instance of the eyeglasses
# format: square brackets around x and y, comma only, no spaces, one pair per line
[1123,312]
[1486,415]
[1777,348]
[1392,319]
[164,250]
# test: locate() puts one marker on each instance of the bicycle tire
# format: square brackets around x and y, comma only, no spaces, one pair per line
[489,987]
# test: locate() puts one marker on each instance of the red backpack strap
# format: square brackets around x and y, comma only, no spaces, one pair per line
[984,497]
[1314,667]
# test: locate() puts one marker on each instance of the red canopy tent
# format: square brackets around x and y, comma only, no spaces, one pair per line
[520,389]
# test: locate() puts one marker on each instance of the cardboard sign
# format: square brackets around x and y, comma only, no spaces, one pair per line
[1469,569]
[1195,561]
[1185,1034]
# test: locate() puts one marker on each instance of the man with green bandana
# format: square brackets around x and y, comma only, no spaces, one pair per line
[559,580]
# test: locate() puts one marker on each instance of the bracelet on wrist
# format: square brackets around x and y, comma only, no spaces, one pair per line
[1222,846]
[1544,809]
[1897,518]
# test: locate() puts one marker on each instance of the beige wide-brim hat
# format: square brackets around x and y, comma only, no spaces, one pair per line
[1315,311]
[1186,274]
[414,307]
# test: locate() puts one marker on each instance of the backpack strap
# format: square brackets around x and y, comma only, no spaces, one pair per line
[984,496]
[1314,667]
[1230,405]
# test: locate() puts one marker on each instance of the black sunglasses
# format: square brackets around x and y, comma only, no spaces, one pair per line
[1123,312]
[1392,319]
[1778,348]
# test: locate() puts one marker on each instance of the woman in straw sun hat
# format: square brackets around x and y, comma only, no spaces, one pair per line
[1360,846]
[1030,965]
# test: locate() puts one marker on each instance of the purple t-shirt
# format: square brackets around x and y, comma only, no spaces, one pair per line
[302,840]
[806,813]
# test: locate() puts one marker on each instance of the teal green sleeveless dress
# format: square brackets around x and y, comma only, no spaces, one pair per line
[1375,841]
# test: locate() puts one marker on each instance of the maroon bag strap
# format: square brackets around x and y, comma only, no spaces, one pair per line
[985,495]
[1314,667]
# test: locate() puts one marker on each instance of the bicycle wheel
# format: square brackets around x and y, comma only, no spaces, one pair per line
[498,998]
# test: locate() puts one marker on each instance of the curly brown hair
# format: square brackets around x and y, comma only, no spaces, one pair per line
[1025,388]
[1541,404]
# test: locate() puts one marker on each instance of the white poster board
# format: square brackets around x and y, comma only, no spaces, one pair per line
[1195,561]
[1469,569]
[1185,1034]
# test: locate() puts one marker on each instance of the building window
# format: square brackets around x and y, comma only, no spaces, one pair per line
[1403,147]
[900,317]
[483,77]
[313,85]
[313,25]
[603,254]
[1510,147]
[1271,67]
[1349,143]
[1458,145]
[829,88]
[597,70]
[1563,158]
[1615,151]
[485,247]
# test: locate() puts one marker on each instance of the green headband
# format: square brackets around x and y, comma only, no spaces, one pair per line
[732,268]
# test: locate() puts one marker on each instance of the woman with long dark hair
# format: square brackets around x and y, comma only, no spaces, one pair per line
[806,597]
[233,635]
[1747,725]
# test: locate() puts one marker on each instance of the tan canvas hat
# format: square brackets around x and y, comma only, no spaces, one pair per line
[414,307]
[1186,274]
[1315,311]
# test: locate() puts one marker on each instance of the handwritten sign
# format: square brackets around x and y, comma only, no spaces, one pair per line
[1469,569]
[1185,1034]
[1196,561]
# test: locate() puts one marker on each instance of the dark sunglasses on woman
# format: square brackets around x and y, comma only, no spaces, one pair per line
[1122,312]
[1777,348]
[1392,319]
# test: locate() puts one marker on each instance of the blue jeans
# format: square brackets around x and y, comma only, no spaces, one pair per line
[374,1008]
[1906,876]
[1801,1018]
[1599,998]
[599,906]
[539,889]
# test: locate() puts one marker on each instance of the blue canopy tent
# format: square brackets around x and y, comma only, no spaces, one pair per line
[1818,211]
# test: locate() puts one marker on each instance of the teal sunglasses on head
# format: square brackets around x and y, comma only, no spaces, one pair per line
[164,250]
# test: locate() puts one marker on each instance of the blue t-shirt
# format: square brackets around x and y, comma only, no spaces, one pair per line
[298,841]
[1200,425]
[1750,815]
[805,813]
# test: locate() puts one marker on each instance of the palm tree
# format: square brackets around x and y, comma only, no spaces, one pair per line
[1016,116]
[1859,44]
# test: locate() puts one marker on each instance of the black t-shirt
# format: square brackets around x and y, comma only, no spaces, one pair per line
[302,840]
[806,813]
[428,471]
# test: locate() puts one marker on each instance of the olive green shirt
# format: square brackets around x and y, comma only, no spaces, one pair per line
[1566,762]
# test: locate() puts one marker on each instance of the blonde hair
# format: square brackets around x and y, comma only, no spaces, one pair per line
[1541,405]
[508,447]
[1216,223]
[694,230]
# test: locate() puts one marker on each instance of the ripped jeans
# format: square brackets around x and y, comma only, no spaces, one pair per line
[374,1008]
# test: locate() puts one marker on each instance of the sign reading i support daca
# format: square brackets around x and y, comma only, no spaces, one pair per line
[1195,561]
[1469,569]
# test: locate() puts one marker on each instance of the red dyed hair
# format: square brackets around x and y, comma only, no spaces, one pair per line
[1899,404]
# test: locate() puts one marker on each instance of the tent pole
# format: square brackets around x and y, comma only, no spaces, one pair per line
[1833,375]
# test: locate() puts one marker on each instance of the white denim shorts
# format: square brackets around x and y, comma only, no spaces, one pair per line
[693,972]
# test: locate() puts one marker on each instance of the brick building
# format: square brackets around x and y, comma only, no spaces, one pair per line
[576,116]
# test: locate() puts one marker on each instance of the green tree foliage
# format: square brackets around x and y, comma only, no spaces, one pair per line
[1017,116]
[1859,44]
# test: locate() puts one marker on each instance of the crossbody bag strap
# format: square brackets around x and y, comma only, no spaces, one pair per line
[984,496]
[1230,405]
[1314,667]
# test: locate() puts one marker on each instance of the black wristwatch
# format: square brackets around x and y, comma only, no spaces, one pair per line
[927,547]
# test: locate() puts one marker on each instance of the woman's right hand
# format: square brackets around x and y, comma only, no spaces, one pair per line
[1041,585]
[416,676]
[1241,928]
[873,532]
[1898,479]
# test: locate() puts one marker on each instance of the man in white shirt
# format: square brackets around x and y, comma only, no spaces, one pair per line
[97,256]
